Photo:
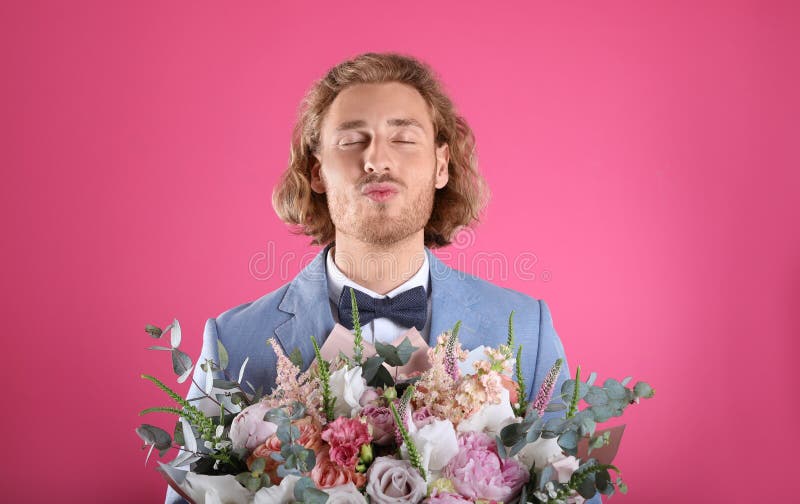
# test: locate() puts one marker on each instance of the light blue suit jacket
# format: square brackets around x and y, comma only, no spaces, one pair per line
[301,308]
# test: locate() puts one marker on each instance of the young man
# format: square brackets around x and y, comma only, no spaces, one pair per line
[382,169]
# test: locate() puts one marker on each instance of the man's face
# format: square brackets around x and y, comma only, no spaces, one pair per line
[378,163]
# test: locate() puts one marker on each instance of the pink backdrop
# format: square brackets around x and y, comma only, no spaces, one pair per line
[642,177]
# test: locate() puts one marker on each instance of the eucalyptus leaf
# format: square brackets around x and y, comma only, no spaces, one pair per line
[175,334]
[568,440]
[587,489]
[370,368]
[156,437]
[555,406]
[241,369]
[169,349]
[405,350]
[592,377]
[153,331]
[389,353]
[643,389]
[190,442]
[181,364]
[602,480]
[258,465]
[596,396]
[614,389]
[223,355]
[626,380]
[601,413]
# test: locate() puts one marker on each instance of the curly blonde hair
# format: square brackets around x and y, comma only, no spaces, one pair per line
[457,204]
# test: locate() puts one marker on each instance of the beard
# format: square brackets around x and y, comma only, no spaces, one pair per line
[373,223]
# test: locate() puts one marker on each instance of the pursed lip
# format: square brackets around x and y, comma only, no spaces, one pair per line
[379,187]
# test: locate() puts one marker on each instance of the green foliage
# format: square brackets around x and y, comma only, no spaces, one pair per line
[413,453]
[522,389]
[328,399]
[358,339]
[510,340]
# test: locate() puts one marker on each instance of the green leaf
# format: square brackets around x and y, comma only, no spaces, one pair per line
[241,369]
[626,380]
[556,407]
[296,358]
[388,352]
[592,378]
[568,388]
[159,348]
[223,355]
[370,368]
[405,350]
[175,334]
[153,331]
[382,379]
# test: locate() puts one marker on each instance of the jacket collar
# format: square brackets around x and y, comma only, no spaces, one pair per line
[306,299]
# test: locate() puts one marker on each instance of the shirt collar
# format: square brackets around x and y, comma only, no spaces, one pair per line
[337,281]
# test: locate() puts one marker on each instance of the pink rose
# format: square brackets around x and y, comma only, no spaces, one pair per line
[422,417]
[345,437]
[478,472]
[382,422]
[370,396]
[392,481]
[249,429]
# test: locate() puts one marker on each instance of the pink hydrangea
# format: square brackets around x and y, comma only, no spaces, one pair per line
[478,472]
[345,437]
[447,498]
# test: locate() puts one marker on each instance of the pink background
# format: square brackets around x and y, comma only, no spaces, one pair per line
[640,150]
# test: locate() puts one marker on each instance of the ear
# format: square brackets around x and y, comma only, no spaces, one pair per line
[317,183]
[442,165]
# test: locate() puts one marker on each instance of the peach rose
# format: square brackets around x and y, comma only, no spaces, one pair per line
[329,474]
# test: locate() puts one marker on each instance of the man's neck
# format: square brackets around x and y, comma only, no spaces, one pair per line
[379,269]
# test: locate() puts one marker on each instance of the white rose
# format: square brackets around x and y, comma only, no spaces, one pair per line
[347,385]
[491,418]
[436,443]
[206,489]
[345,494]
[540,453]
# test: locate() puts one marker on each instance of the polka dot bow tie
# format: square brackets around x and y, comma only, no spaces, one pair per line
[408,308]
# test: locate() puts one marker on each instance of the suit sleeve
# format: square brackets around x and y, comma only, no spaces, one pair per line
[209,351]
[550,349]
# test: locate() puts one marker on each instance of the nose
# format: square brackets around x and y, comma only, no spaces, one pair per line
[376,156]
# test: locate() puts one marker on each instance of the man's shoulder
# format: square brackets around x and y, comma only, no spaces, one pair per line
[493,293]
[260,311]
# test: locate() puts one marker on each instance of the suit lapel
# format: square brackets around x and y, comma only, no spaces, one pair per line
[306,299]
[451,302]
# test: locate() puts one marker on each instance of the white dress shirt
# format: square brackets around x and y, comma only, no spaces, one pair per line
[384,329]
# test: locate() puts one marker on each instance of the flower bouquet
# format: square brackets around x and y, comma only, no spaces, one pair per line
[388,423]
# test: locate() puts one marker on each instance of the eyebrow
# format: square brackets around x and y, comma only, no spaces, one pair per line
[404,121]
